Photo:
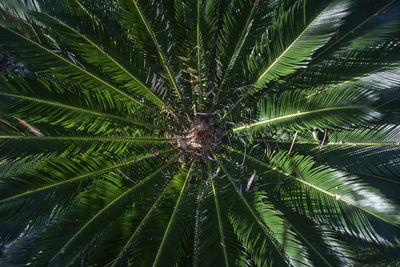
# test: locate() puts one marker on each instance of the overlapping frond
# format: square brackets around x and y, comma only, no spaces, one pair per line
[101,59]
[223,248]
[254,217]
[123,254]
[360,48]
[142,19]
[293,111]
[295,47]
[47,102]
[44,55]
[369,152]
[239,16]
[344,201]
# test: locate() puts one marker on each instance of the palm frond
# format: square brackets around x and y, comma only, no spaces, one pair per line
[35,147]
[342,200]
[287,231]
[238,15]
[52,61]
[98,57]
[292,110]
[359,51]
[170,249]
[71,249]
[369,152]
[59,110]
[362,34]
[131,135]
[250,227]
[28,197]
[122,257]
[293,49]
[373,135]
[381,78]
[213,247]
[34,205]
[219,217]
[323,244]
[134,17]
[281,52]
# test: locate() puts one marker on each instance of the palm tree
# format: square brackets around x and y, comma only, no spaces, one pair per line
[205,133]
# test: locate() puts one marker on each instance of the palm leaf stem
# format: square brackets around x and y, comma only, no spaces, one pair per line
[232,61]
[125,194]
[298,114]
[87,139]
[264,228]
[196,239]
[330,143]
[140,226]
[162,57]
[199,56]
[84,9]
[10,125]
[96,47]
[319,189]
[87,111]
[217,207]
[173,216]
[84,176]
[353,30]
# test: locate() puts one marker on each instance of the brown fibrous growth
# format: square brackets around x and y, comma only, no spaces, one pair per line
[202,136]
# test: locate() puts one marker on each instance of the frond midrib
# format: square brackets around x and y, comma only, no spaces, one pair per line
[75,66]
[174,212]
[88,139]
[162,57]
[302,181]
[123,195]
[87,111]
[262,225]
[298,114]
[141,85]
[217,207]
[329,143]
[84,176]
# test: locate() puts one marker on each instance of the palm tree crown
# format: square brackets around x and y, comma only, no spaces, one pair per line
[205,133]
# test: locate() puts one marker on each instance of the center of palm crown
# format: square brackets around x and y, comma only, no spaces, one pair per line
[201,137]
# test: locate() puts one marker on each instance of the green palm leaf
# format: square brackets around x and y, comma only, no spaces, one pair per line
[70,250]
[97,56]
[292,56]
[135,17]
[338,193]
[367,152]
[293,111]
[213,218]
